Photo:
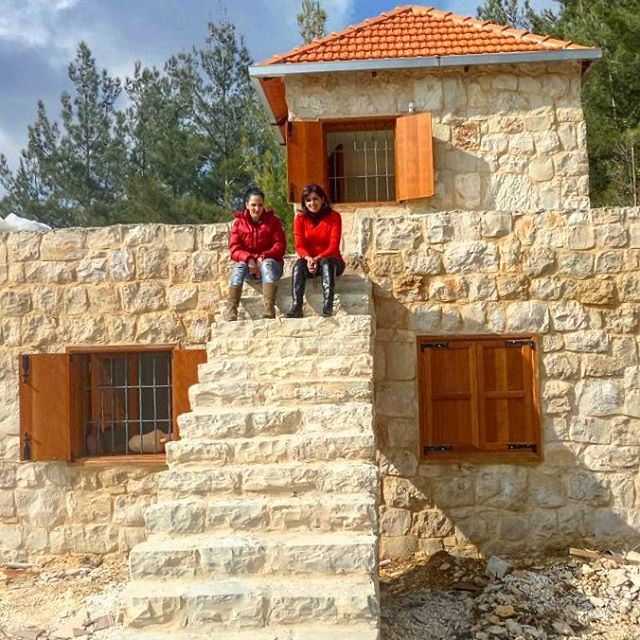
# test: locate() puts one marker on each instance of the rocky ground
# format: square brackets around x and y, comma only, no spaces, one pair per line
[427,598]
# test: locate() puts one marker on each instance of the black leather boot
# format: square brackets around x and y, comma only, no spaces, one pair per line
[328,272]
[298,282]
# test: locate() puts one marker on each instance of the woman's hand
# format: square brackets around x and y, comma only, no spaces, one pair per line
[312,264]
[254,267]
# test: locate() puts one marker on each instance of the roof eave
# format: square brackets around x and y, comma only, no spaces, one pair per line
[303,68]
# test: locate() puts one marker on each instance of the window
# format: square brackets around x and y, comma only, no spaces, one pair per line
[479,396]
[361,163]
[106,402]
[362,160]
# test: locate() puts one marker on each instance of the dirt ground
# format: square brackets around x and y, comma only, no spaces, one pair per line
[436,598]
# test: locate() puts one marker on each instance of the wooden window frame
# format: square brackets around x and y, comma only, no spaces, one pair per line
[68,428]
[483,452]
[410,130]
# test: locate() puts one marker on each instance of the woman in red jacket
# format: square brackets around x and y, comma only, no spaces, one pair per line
[317,230]
[257,247]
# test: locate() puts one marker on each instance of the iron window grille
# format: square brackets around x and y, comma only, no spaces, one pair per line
[126,403]
[361,165]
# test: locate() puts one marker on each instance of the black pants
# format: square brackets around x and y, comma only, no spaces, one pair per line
[301,263]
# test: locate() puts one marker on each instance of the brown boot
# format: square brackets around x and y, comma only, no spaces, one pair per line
[269,290]
[233,300]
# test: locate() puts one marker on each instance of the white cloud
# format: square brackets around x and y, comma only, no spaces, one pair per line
[32,23]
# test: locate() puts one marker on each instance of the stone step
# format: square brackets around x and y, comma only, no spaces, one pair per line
[251,602]
[259,553]
[299,328]
[310,367]
[267,479]
[278,347]
[303,447]
[345,304]
[239,422]
[308,513]
[223,393]
[350,631]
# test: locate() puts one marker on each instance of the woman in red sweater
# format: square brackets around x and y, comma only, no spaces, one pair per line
[317,230]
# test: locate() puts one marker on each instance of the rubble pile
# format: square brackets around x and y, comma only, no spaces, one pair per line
[62,599]
[460,598]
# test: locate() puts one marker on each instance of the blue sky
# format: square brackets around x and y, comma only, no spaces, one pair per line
[38,40]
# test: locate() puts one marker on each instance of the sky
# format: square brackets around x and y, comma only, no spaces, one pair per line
[38,39]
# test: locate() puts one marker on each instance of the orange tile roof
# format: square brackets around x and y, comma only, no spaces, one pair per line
[415,31]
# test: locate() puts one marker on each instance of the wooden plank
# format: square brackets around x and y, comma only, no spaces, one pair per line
[305,157]
[506,394]
[184,373]
[45,411]
[415,175]
[449,405]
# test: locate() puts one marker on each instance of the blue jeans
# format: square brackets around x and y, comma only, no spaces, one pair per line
[270,270]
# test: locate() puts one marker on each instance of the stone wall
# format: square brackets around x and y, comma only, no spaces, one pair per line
[151,284]
[506,137]
[570,278]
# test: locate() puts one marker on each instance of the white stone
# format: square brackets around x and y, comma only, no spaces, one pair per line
[599,397]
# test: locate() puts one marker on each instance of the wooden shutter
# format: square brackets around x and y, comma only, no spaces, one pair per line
[415,176]
[507,410]
[305,156]
[184,373]
[45,407]
[449,401]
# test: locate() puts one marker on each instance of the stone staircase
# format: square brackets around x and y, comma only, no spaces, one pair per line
[266,524]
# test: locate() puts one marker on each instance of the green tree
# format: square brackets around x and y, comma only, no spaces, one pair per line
[312,20]
[91,151]
[32,189]
[214,82]
[507,12]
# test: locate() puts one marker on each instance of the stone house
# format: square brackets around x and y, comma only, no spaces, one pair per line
[477,391]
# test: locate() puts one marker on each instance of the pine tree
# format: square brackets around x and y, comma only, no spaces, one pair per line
[312,20]
[507,12]
[91,149]
[215,82]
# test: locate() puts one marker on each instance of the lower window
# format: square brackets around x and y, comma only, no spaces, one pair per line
[119,401]
[126,403]
[479,396]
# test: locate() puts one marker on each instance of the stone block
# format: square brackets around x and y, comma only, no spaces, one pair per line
[599,397]
[121,265]
[568,316]
[561,365]
[394,522]
[503,488]
[63,245]
[92,270]
[580,237]
[575,264]
[495,224]
[538,261]
[454,492]
[399,236]
[152,263]
[432,523]
[527,317]
[587,341]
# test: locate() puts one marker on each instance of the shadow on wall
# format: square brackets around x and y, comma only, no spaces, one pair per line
[583,492]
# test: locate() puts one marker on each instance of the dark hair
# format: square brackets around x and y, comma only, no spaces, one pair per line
[319,191]
[252,191]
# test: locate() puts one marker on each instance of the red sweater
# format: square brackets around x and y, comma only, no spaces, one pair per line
[321,240]
[264,239]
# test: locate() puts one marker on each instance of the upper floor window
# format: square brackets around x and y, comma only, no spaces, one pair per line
[362,160]
[361,163]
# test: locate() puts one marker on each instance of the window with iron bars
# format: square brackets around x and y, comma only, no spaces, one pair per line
[361,164]
[126,403]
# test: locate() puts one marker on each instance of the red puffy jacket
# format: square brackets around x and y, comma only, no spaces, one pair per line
[259,240]
[321,240]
